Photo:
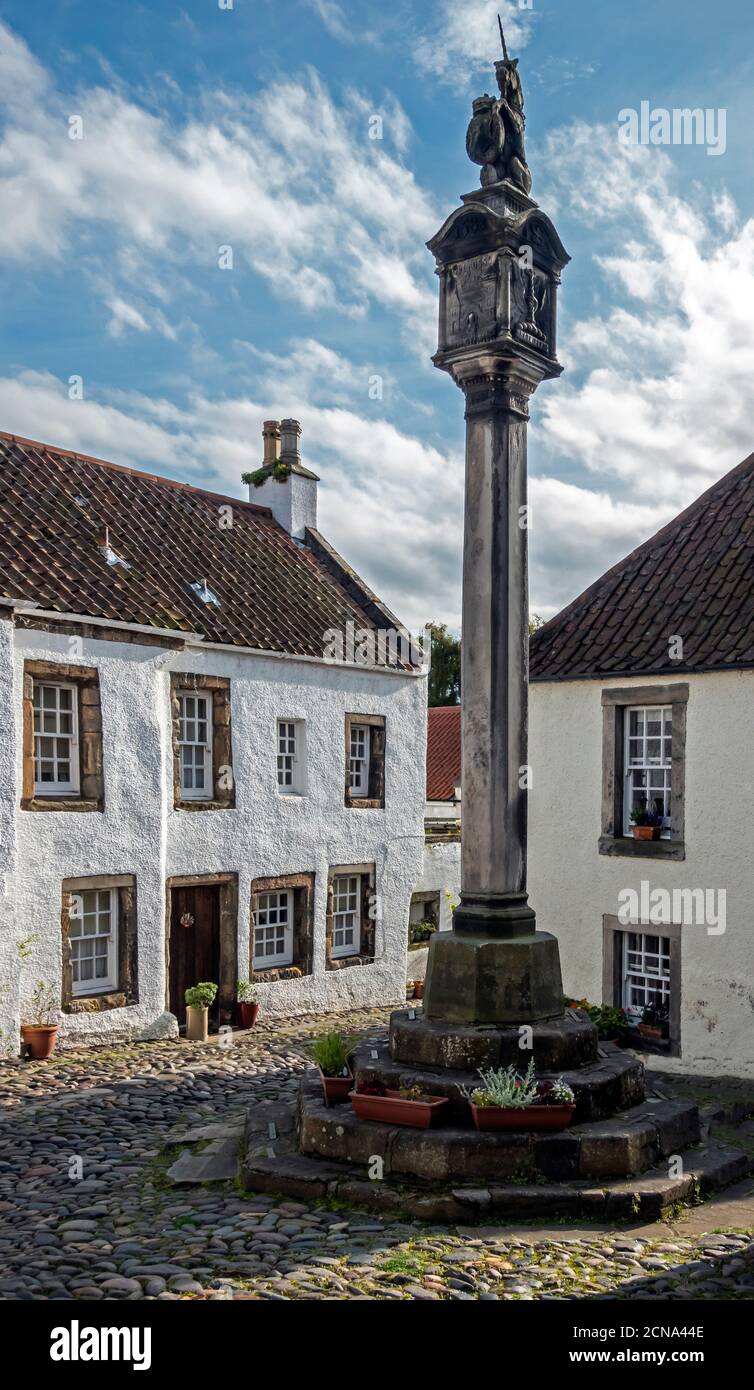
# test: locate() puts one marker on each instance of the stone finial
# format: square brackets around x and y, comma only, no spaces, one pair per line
[290,436]
[271,437]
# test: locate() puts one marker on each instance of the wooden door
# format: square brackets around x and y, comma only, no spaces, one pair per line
[194,942]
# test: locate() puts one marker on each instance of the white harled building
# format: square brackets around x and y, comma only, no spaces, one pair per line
[192,786]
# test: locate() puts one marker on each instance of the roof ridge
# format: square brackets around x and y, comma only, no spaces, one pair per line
[135,472]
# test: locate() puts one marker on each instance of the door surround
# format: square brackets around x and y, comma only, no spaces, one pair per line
[228,895]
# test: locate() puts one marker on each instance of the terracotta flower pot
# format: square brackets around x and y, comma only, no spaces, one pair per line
[552,1117]
[336,1088]
[197,1023]
[419,989]
[393,1109]
[648,1030]
[646,832]
[41,1039]
[247,1013]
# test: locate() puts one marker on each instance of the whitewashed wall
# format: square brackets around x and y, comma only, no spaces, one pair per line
[571,885]
[267,834]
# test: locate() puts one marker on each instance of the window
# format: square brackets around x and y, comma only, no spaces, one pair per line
[273,929]
[93,938]
[56,747]
[365,761]
[358,766]
[644,764]
[282,927]
[646,971]
[290,755]
[195,740]
[346,932]
[648,762]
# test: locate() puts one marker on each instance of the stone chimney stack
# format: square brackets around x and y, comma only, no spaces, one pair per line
[290,489]
[290,446]
[271,437]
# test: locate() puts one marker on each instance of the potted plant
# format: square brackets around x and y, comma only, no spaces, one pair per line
[408,1106]
[418,989]
[655,1021]
[410,987]
[610,1021]
[198,1000]
[645,824]
[508,1100]
[41,1035]
[331,1052]
[248,1007]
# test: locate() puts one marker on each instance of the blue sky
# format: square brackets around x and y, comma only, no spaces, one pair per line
[249,127]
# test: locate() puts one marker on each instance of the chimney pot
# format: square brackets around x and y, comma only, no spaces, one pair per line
[271,437]
[290,436]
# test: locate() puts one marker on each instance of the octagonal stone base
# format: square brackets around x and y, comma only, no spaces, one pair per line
[478,979]
[557,1044]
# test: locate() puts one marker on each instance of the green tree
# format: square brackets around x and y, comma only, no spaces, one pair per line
[536,621]
[445,672]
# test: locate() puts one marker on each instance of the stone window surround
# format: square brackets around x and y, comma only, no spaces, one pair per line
[615,701]
[218,687]
[366,954]
[612,968]
[91,796]
[127,992]
[375,801]
[302,887]
[228,885]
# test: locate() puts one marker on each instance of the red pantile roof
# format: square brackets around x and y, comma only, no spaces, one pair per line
[275,594]
[694,580]
[443,752]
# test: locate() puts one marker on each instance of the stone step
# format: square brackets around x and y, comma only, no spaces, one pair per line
[627,1143]
[649,1197]
[613,1082]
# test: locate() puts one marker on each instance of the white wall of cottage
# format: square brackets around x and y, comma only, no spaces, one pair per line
[267,834]
[571,885]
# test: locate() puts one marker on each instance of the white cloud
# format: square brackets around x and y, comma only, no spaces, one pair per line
[289,178]
[463,38]
[663,403]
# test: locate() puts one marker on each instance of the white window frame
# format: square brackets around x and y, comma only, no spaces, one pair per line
[264,904]
[109,908]
[290,745]
[657,768]
[71,787]
[361,760]
[346,948]
[207,792]
[645,970]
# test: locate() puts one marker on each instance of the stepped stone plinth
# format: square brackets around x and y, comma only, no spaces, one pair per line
[558,1044]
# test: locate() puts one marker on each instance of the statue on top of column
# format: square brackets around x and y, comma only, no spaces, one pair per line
[495,137]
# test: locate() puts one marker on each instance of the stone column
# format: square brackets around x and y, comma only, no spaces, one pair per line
[494,967]
[495,654]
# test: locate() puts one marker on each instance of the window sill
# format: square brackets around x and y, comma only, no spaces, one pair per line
[60,803]
[204,805]
[344,962]
[627,847]
[271,974]
[364,803]
[95,1003]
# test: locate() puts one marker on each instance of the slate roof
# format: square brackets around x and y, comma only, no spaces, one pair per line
[275,594]
[443,752]
[694,579]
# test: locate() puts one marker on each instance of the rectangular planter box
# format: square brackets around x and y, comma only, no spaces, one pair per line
[551,1117]
[392,1109]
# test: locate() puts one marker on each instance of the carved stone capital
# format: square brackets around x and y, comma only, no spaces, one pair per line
[488,389]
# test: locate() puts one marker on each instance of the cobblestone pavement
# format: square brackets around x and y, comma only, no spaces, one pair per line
[121,1231]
